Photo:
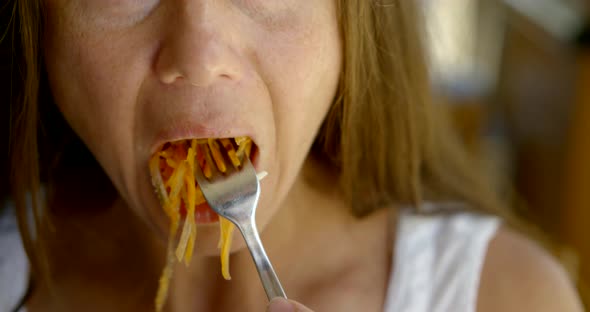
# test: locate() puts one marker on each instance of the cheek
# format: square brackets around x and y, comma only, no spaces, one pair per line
[303,83]
[93,81]
[302,75]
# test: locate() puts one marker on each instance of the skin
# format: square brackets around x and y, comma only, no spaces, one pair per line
[129,75]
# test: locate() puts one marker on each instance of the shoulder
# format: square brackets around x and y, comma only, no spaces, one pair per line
[518,275]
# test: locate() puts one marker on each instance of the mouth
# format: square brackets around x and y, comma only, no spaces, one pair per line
[172,170]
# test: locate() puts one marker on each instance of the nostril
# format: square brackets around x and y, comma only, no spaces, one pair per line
[167,74]
[197,57]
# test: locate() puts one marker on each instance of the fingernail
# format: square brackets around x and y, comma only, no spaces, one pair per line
[280,305]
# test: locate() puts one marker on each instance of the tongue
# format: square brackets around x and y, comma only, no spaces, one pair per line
[203,213]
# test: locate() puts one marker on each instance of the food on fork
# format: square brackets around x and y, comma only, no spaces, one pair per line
[172,170]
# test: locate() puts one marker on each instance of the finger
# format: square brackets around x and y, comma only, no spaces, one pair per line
[284,305]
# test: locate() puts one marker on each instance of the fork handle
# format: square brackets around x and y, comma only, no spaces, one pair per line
[269,279]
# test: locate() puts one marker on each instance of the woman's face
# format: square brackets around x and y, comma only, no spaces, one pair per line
[129,75]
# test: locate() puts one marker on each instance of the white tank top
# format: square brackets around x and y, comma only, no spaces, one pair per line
[438,261]
[14,266]
[436,266]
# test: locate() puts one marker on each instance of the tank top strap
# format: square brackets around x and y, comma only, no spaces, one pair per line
[438,261]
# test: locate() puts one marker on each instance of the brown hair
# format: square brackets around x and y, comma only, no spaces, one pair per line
[390,143]
[389,139]
[24,178]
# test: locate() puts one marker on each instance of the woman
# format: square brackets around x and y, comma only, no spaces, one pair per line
[357,210]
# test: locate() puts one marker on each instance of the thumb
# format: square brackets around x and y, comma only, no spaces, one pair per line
[283,305]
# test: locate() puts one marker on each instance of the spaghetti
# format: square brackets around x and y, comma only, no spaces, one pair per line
[172,170]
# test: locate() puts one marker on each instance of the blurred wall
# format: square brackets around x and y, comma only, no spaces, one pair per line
[518,84]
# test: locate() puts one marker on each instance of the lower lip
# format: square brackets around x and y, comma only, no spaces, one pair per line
[203,214]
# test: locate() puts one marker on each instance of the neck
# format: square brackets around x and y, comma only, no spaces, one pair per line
[114,251]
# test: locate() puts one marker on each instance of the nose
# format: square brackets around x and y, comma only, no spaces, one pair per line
[197,48]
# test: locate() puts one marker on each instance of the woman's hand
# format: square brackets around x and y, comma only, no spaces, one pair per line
[284,305]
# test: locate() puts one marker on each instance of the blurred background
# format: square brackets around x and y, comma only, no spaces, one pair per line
[515,75]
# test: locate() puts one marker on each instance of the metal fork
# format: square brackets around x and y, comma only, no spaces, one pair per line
[234,196]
